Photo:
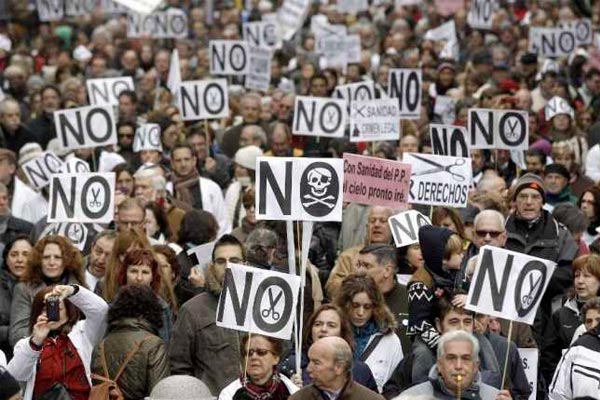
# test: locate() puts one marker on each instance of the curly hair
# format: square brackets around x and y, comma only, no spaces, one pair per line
[345,327]
[140,257]
[71,257]
[136,301]
[355,284]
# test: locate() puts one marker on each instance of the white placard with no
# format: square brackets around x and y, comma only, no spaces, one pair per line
[90,126]
[205,99]
[50,10]
[147,137]
[508,284]
[498,129]
[406,85]
[39,170]
[75,231]
[258,301]
[105,91]
[228,57]
[319,116]
[405,227]
[82,198]
[449,140]
[481,13]
[169,24]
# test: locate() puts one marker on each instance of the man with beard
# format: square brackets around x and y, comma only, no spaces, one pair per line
[97,261]
[198,346]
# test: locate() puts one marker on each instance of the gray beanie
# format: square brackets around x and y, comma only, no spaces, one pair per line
[530,181]
[180,387]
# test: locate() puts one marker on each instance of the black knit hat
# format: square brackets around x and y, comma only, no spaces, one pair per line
[8,385]
[557,169]
[530,181]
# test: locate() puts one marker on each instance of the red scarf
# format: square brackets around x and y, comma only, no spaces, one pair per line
[274,389]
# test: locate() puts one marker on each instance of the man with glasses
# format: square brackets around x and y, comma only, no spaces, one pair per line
[198,346]
[532,230]
[131,215]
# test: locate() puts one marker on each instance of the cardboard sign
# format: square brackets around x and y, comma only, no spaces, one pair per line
[331,41]
[76,232]
[83,127]
[557,105]
[74,165]
[480,14]
[82,198]
[50,10]
[406,85]
[147,137]
[449,140]
[78,8]
[169,24]
[498,129]
[552,42]
[439,180]
[529,359]
[39,170]
[201,256]
[376,181]
[445,32]
[259,75]
[508,284]
[353,49]
[320,116]
[140,6]
[206,99]
[258,301]
[106,91]
[262,34]
[291,15]
[374,120]
[228,57]
[361,91]
[445,108]
[583,30]
[405,227]
[299,189]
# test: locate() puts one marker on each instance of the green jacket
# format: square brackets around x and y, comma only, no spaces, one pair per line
[148,366]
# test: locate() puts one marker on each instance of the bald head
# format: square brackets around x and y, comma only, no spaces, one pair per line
[377,225]
[330,363]
[338,348]
[492,184]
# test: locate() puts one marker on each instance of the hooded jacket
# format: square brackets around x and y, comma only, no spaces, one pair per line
[425,281]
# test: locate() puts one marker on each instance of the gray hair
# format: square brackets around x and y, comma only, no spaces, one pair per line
[458,336]
[158,181]
[258,133]
[343,354]
[107,233]
[261,236]
[490,214]
[5,103]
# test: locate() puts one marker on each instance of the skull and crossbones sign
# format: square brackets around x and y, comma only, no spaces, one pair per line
[319,180]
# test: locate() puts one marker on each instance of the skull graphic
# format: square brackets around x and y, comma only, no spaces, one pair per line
[319,180]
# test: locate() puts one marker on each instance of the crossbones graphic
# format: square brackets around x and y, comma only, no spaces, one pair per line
[320,201]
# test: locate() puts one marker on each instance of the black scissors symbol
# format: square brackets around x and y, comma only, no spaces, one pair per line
[439,167]
[95,202]
[271,310]
[528,299]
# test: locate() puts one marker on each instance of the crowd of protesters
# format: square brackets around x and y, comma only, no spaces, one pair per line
[124,305]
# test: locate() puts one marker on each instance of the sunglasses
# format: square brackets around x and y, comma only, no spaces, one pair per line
[493,234]
[259,352]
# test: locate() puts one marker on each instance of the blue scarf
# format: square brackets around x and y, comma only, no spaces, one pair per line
[362,336]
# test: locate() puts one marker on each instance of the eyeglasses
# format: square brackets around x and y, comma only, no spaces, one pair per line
[233,260]
[259,352]
[493,234]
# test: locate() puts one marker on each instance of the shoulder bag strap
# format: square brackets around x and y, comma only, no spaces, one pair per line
[370,348]
[130,356]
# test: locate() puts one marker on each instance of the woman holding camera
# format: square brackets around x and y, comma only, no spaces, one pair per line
[55,359]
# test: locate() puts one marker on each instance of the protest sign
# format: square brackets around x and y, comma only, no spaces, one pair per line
[105,91]
[140,6]
[558,105]
[498,129]
[480,14]
[39,170]
[406,85]
[299,189]
[174,77]
[90,126]
[508,284]
[206,99]
[405,227]
[74,165]
[319,116]
[449,140]
[581,28]
[439,180]
[78,8]
[353,49]
[169,24]
[331,41]
[258,301]
[86,197]
[374,120]
[147,137]
[448,7]
[111,7]
[262,34]
[445,108]
[200,256]
[375,181]
[50,10]
[353,6]
[259,74]
[291,16]
[552,42]
[355,91]
[228,57]
[529,359]
[75,231]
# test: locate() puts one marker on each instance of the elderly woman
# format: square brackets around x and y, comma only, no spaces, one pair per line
[260,380]
[54,260]
[55,359]
[373,326]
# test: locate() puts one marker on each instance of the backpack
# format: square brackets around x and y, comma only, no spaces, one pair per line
[109,389]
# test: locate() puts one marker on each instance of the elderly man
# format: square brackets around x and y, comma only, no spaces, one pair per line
[456,374]
[558,190]
[329,367]
[13,134]
[378,231]
[43,126]
[253,135]
[96,262]
[250,111]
